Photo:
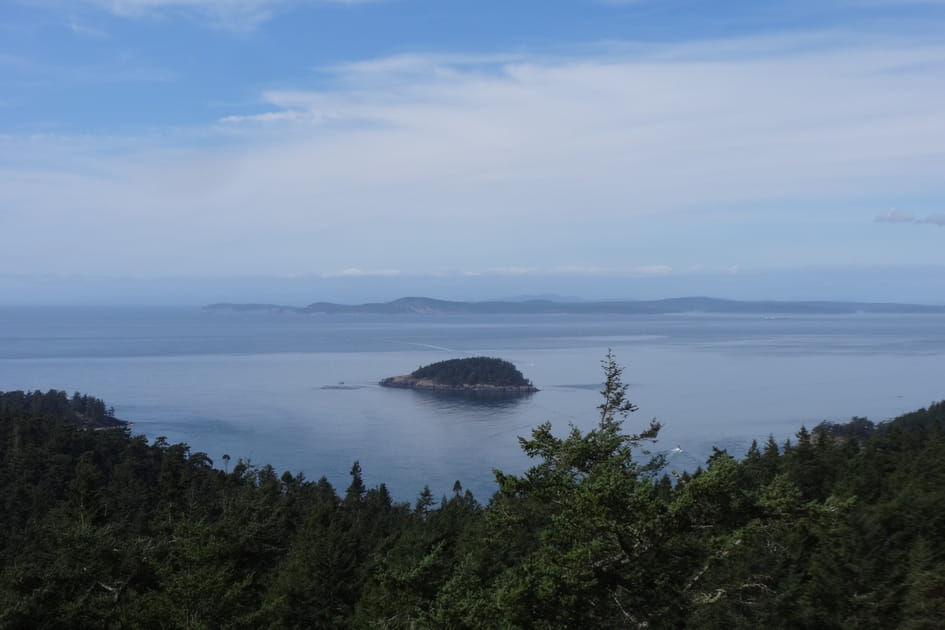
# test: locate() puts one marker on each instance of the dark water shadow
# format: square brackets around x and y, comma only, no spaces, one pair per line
[485,399]
[591,386]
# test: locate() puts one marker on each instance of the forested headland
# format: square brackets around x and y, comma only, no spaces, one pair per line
[841,527]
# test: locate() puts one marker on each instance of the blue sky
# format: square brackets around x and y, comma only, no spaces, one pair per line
[563,144]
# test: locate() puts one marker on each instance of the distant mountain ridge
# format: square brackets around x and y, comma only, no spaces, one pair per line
[431,306]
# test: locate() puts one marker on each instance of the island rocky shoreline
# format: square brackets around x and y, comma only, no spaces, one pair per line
[406,381]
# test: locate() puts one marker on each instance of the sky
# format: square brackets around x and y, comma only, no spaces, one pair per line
[298,150]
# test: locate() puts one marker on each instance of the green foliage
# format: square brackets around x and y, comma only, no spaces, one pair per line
[575,541]
[473,370]
[81,409]
[842,528]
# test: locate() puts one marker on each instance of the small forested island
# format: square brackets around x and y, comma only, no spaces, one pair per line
[469,374]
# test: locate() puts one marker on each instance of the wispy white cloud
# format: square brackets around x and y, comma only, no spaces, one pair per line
[354,272]
[235,14]
[894,215]
[652,270]
[499,271]
[265,118]
[592,270]
[567,270]
[440,65]
[787,120]
[457,162]
[511,271]
[84,30]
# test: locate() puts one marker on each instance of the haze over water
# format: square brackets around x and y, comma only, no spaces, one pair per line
[300,393]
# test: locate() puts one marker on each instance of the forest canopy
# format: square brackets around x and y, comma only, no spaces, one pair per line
[842,527]
[471,374]
[473,371]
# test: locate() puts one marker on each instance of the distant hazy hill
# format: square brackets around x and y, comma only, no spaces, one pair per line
[430,306]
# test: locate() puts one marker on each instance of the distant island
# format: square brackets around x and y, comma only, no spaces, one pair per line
[430,306]
[484,374]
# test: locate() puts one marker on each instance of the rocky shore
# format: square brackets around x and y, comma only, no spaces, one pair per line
[408,381]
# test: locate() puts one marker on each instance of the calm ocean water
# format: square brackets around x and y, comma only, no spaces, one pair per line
[299,392]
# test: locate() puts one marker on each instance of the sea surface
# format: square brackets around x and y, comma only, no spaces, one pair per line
[300,392]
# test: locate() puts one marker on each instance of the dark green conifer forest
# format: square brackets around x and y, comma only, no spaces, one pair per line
[842,527]
[486,370]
